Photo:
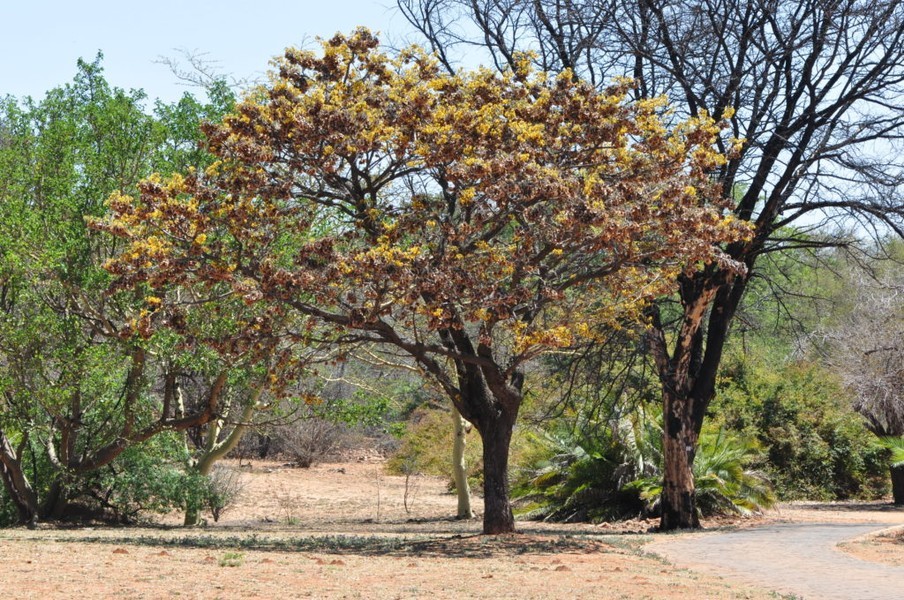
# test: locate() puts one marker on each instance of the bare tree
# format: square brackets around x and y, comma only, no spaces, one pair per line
[814,88]
[866,349]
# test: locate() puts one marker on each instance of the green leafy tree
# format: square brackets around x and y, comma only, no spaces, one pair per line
[81,378]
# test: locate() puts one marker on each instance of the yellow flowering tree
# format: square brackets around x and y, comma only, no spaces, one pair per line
[472,221]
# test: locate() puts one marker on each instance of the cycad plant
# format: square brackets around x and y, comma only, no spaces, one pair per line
[582,471]
[724,482]
[614,470]
[896,446]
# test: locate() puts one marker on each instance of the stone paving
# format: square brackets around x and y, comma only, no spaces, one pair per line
[798,559]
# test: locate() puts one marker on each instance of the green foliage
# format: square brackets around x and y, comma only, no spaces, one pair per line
[896,446]
[153,478]
[724,481]
[65,349]
[815,446]
[232,559]
[8,514]
[426,446]
[612,470]
[150,477]
[581,476]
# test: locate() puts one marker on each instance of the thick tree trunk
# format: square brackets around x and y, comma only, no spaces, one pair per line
[679,443]
[897,484]
[459,468]
[689,378]
[57,499]
[497,510]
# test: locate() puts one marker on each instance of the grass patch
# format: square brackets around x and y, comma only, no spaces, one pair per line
[232,559]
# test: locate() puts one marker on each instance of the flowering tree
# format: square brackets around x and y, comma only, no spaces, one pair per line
[472,220]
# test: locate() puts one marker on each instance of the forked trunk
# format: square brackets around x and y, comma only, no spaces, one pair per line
[679,443]
[16,483]
[497,510]
[897,484]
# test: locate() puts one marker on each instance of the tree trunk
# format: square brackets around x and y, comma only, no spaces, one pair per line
[496,434]
[459,468]
[679,444]
[57,499]
[216,449]
[17,485]
[689,378]
[897,484]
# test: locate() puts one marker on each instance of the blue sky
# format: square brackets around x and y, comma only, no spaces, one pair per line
[42,40]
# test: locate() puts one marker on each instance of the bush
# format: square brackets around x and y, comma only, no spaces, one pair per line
[426,447]
[724,480]
[148,477]
[580,477]
[612,470]
[311,440]
[9,516]
[815,446]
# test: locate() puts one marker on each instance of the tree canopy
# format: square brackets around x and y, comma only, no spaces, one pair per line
[469,220]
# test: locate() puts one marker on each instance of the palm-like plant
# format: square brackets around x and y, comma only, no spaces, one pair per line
[724,483]
[614,471]
[896,446]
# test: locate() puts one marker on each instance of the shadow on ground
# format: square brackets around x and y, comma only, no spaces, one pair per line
[456,546]
[880,507]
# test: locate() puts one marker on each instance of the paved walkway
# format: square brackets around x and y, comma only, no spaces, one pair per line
[799,559]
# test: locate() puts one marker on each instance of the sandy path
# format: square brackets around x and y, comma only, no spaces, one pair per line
[793,558]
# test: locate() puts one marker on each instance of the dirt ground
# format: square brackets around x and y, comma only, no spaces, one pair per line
[343,531]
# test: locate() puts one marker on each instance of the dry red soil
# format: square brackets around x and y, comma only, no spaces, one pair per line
[343,531]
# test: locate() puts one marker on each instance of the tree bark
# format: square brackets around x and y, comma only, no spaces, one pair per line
[679,442]
[17,485]
[897,484]
[459,468]
[496,434]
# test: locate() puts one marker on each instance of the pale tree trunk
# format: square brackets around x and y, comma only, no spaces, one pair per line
[215,449]
[459,468]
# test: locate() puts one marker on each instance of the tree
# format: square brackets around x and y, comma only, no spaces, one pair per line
[81,378]
[866,348]
[465,220]
[815,90]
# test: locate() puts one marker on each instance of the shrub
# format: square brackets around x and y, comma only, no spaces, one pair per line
[311,440]
[612,470]
[815,446]
[426,447]
[724,481]
[148,477]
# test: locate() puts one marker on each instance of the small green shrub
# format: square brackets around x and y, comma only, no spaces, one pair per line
[723,477]
[608,471]
[150,477]
[232,559]
[580,478]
